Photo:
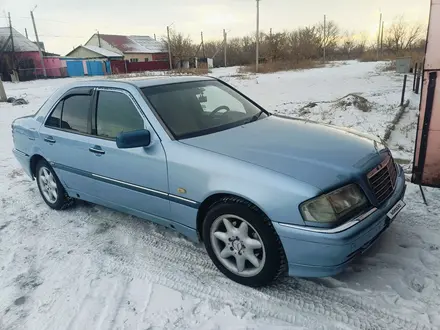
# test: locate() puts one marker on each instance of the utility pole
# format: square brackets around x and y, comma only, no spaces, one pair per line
[381,40]
[169,48]
[203,45]
[99,39]
[12,36]
[155,36]
[225,44]
[257,54]
[25,31]
[378,37]
[38,44]
[324,40]
[272,53]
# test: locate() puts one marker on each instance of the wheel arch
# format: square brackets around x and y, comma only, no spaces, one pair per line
[33,163]
[214,198]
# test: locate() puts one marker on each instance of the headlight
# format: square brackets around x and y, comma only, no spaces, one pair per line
[333,206]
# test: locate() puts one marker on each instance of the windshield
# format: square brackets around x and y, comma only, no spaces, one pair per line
[196,108]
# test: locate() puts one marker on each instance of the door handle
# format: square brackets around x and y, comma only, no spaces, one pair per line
[97,150]
[49,139]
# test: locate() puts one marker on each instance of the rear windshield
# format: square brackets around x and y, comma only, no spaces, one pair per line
[197,108]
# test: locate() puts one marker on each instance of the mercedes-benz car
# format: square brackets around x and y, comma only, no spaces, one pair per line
[267,195]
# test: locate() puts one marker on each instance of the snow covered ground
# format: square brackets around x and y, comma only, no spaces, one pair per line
[93,268]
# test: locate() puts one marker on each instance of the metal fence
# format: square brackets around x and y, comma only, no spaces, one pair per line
[38,73]
[418,72]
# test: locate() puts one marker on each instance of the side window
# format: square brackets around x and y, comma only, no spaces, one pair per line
[75,114]
[116,113]
[212,97]
[54,119]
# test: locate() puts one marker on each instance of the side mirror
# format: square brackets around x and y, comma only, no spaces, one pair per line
[133,139]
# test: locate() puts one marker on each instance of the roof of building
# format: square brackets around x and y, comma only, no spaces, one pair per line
[150,44]
[103,51]
[21,43]
[98,50]
[134,44]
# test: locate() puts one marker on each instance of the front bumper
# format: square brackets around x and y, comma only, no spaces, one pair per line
[320,254]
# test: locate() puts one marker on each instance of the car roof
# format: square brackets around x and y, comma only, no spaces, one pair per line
[165,80]
[139,83]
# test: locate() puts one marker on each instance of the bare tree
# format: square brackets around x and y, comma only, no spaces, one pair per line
[275,44]
[413,36]
[304,43]
[330,38]
[402,36]
[182,48]
[348,44]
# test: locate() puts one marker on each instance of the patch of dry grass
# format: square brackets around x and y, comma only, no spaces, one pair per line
[371,56]
[280,66]
[191,71]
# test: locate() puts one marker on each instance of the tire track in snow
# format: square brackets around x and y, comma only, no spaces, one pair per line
[167,265]
[166,259]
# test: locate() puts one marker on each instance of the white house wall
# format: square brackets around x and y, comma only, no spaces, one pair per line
[82,52]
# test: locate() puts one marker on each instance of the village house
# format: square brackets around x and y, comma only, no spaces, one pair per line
[133,48]
[20,55]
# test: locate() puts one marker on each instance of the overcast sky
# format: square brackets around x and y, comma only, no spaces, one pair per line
[65,24]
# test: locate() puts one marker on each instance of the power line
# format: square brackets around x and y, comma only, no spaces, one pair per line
[59,36]
[48,20]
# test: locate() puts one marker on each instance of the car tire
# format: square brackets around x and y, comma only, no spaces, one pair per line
[227,246]
[50,187]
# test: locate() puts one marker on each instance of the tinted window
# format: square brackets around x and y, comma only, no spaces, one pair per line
[116,113]
[195,108]
[55,118]
[75,114]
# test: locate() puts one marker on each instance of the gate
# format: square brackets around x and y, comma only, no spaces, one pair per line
[75,68]
[95,68]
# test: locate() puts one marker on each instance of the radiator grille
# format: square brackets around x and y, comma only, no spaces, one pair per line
[383,179]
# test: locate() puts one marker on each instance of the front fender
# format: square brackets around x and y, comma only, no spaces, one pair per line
[203,173]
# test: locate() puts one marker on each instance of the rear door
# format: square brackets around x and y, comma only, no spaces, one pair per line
[133,178]
[66,140]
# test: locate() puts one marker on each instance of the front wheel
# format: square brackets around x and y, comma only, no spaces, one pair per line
[242,243]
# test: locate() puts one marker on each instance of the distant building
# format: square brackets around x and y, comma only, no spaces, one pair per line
[94,52]
[20,55]
[132,48]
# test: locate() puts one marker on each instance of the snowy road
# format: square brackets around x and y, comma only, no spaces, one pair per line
[92,268]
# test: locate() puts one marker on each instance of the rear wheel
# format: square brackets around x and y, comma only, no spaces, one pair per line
[242,243]
[50,187]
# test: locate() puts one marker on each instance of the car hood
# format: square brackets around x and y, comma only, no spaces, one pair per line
[324,156]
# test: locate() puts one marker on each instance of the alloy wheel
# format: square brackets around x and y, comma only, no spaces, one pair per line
[237,245]
[48,185]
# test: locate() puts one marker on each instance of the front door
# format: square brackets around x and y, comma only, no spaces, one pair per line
[133,178]
[66,141]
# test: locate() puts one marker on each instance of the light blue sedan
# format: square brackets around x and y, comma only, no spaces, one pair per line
[267,195]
